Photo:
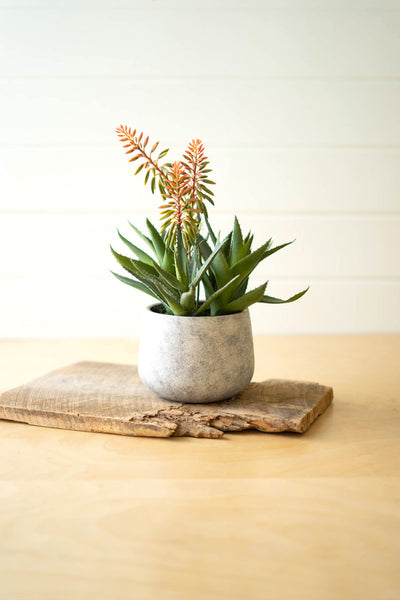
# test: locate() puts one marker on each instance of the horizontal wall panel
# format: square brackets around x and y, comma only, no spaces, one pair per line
[240,43]
[223,113]
[102,308]
[165,5]
[325,247]
[256,179]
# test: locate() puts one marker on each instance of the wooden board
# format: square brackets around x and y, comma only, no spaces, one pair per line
[110,398]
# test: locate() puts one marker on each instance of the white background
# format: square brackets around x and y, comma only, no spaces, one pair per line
[297,102]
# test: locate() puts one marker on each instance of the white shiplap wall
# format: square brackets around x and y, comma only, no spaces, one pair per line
[297,102]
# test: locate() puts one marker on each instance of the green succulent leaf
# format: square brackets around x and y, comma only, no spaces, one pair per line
[207,285]
[181,259]
[146,278]
[247,264]
[248,236]
[142,236]
[139,253]
[158,242]
[273,250]
[209,261]
[241,289]
[204,247]
[247,245]
[124,261]
[210,231]
[207,303]
[136,284]
[174,304]
[170,279]
[246,300]
[236,249]
[164,291]
[243,268]
[168,262]
[272,300]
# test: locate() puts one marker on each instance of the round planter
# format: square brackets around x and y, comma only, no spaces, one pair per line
[196,359]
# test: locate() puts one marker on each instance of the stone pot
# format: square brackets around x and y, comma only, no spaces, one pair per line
[196,359]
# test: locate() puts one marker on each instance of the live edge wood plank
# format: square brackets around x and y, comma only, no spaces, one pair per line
[110,398]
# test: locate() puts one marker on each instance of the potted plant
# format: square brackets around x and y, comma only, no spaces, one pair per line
[196,343]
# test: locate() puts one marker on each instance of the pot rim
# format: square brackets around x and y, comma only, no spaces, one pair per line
[186,317]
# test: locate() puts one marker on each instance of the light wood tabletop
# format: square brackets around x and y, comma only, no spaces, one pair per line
[251,516]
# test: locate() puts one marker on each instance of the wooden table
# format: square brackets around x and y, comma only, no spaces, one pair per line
[252,516]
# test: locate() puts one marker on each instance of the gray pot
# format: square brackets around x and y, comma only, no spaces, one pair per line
[196,359]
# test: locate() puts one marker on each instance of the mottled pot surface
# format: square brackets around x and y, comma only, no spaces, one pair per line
[196,359]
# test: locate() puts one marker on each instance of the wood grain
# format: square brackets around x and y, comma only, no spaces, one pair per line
[110,398]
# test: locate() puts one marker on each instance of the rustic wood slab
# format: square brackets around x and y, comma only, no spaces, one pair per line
[110,398]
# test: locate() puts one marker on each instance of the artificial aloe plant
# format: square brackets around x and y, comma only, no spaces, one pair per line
[190,270]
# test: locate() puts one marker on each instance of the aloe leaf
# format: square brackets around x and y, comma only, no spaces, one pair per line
[136,284]
[214,296]
[145,268]
[207,284]
[142,236]
[246,300]
[158,242]
[247,246]
[243,268]
[273,250]
[124,261]
[272,300]
[227,248]
[168,263]
[173,303]
[221,270]
[208,262]
[139,253]
[194,260]
[236,243]
[152,274]
[129,265]
[247,264]
[170,279]
[204,247]
[210,231]
[168,296]
[248,236]
[241,288]
[181,259]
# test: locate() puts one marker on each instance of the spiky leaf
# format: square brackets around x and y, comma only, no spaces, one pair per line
[272,300]
[139,253]
[136,284]
[246,300]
